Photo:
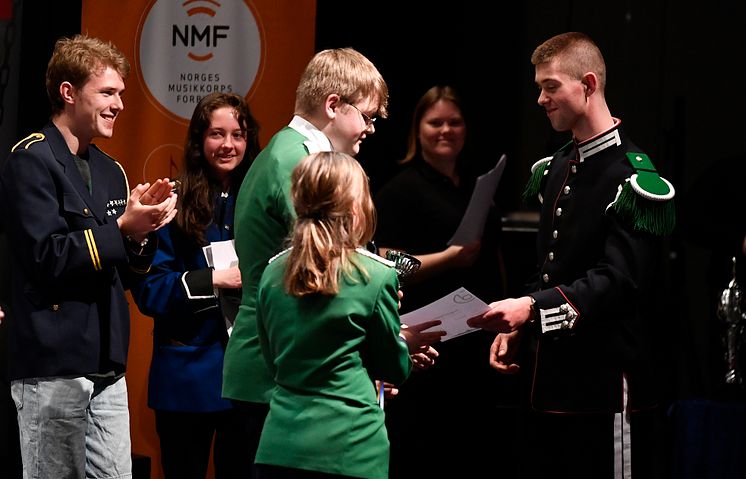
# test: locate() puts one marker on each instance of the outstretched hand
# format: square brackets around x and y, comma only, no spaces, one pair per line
[504,316]
[417,338]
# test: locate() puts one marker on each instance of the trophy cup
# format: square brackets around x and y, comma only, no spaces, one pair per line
[730,313]
[405,264]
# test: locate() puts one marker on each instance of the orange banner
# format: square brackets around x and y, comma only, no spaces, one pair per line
[6,9]
[179,52]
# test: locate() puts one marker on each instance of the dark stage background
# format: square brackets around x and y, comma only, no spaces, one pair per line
[673,78]
[667,71]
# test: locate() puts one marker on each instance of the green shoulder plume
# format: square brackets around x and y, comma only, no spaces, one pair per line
[646,199]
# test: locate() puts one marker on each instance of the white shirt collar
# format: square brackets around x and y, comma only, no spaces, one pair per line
[316,141]
[600,143]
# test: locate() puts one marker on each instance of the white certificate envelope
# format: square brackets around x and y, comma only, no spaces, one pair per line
[221,254]
[452,309]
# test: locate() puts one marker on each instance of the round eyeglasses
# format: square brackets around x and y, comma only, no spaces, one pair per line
[366,119]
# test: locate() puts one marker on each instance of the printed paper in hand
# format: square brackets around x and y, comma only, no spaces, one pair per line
[222,255]
[452,309]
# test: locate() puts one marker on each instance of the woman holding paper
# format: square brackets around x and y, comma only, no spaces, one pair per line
[187,298]
[421,207]
[419,211]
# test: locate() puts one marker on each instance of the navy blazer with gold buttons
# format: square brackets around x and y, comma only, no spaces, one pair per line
[70,263]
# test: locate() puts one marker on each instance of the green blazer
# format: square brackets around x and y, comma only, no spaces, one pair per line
[264,216]
[324,352]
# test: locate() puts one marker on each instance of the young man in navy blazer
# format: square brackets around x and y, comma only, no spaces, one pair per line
[77,235]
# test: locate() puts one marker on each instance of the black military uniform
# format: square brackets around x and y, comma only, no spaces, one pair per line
[604,210]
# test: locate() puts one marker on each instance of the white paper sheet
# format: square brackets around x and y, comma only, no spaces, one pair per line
[452,309]
[472,224]
[221,254]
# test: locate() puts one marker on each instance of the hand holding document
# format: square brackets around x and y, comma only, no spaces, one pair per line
[452,310]
[472,224]
[222,255]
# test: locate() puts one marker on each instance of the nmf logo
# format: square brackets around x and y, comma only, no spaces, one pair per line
[189,48]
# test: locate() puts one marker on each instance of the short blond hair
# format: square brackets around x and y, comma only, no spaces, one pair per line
[576,53]
[343,71]
[75,59]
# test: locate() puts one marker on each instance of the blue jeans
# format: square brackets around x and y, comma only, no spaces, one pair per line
[73,427]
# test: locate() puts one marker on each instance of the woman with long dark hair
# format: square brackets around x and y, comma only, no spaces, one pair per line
[187,298]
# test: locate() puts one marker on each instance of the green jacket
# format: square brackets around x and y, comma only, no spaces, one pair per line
[324,352]
[264,216]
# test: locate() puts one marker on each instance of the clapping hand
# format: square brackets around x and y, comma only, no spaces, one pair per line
[149,208]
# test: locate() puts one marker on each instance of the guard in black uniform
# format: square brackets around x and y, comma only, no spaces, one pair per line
[604,211]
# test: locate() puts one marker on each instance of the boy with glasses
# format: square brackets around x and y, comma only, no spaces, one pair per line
[339,93]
